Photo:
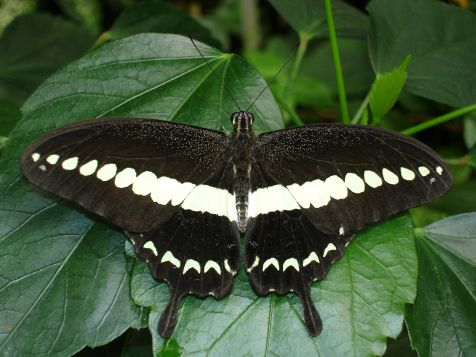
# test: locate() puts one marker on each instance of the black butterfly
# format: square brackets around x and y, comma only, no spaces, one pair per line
[183,194]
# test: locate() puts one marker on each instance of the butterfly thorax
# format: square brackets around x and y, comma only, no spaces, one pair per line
[242,141]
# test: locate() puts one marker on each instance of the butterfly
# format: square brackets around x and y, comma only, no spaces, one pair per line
[183,196]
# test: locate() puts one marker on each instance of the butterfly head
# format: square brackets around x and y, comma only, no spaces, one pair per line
[242,121]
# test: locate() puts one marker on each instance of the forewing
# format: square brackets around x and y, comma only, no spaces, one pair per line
[346,177]
[169,186]
[135,172]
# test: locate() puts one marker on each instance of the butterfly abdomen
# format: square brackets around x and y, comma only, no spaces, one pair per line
[241,168]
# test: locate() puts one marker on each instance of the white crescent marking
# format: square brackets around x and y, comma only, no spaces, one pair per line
[212,265]
[271,261]
[228,268]
[254,265]
[330,247]
[291,262]
[311,258]
[150,245]
[191,264]
[168,257]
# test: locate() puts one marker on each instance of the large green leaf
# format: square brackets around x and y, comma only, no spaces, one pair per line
[441,39]
[361,302]
[442,322]
[33,47]
[64,282]
[157,16]
[62,287]
[308,18]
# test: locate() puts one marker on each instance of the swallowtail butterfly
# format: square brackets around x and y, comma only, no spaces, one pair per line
[183,195]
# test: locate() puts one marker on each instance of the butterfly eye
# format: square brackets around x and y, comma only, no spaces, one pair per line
[233,118]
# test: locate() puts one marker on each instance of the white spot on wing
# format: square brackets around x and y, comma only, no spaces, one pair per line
[423,171]
[150,245]
[163,189]
[318,193]
[168,257]
[290,262]
[204,198]
[271,199]
[70,164]
[300,195]
[191,264]
[182,192]
[341,230]
[42,167]
[439,170]
[354,183]
[35,157]
[336,187]
[107,172]
[125,178]
[389,177]
[212,265]
[311,258]
[330,247]
[144,183]
[271,262]
[372,179]
[52,159]
[311,192]
[407,174]
[88,168]
[254,265]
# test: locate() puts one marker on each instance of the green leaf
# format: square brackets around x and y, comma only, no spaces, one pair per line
[33,47]
[63,286]
[158,16]
[442,322]
[441,39]
[9,116]
[470,130]
[386,90]
[85,12]
[308,18]
[64,281]
[361,302]
[356,66]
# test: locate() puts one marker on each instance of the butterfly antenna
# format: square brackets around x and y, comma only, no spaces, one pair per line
[213,71]
[291,56]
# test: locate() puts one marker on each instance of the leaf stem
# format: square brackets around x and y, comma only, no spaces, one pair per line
[439,120]
[337,63]
[303,42]
[360,111]
[287,108]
